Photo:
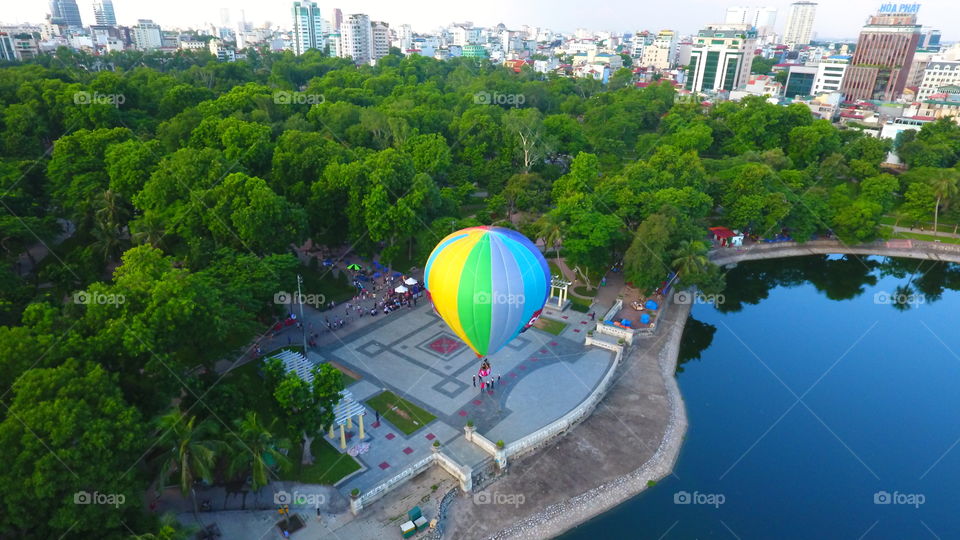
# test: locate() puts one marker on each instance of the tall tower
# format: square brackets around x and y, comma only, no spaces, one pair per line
[103,13]
[884,54]
[799,23]
[307,27]
[65,12]
[763,18]
[356,38]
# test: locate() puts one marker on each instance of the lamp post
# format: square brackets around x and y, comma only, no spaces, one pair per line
[303,324]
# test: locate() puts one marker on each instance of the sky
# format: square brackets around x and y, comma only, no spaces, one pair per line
[834,19]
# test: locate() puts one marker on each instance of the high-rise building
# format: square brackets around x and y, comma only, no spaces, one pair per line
[7,52]
[337,20]
[380,32]
[884,54]
[662,53]
[830,72]
[799,23]
[65,12]
[721,57]
[146,35]
[356,38]
[764,19]
[307,27]
[103,13]
[931,41]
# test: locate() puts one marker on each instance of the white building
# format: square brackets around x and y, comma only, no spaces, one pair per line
[763,18]
[799,23]
[404,40]
[380,33]
[307,27]
[146,35]
[938,75]
[221,51]
[721,57]
[830,72]
[662,54]
[356,38]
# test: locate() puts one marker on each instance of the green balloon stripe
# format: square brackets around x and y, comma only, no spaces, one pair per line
[474,296]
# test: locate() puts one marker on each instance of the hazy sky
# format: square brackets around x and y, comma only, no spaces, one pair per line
[835,18]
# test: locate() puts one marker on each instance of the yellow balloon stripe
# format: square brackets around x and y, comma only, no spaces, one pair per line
[444,281]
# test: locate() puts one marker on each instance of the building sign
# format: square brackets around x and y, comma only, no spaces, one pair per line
[900,9]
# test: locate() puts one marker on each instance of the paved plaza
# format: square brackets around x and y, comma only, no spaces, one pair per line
[415,355]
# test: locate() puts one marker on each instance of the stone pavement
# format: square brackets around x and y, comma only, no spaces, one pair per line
[415,355]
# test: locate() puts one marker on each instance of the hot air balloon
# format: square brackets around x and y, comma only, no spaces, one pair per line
[488,284]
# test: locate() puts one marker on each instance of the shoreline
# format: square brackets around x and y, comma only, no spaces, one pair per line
[562,517]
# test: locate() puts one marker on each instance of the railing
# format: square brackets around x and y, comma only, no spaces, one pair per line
[617,306]
[615,331]
[384,487]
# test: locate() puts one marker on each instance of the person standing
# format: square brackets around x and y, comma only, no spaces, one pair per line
[474,381]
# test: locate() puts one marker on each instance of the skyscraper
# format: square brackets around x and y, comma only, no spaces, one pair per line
[103,13]
[356,38]
[65,12]
[763,18]
[147,35]
[799,23]
[884,54]
[721,57]
[380,31]
[337,19]
[307,27]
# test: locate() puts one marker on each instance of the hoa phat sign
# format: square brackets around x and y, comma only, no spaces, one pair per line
[908,9]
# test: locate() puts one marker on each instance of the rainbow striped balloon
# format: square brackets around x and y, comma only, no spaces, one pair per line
[488,284]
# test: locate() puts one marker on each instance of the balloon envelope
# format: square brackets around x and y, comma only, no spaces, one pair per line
[488,284]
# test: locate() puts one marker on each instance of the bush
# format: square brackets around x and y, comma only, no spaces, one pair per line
[469,423]
[436,444]
[500,443]
[355,492]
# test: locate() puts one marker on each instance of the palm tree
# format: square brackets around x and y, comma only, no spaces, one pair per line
[149,229]
[189,449]
[944,189]
[255,445]
[168,529]
[690,257]
[550,228]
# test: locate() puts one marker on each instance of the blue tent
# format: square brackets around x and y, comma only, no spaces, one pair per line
[644,318]
[651,305]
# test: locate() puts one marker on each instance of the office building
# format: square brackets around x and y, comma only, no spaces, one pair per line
[307,27]
[662,53]
[66,13]
[146,35]
[356,38]
[884,54]
[937,76]
[764,19]
[103,13]
[380,31]
[830,72]
[799,23]
[721,56]
[931,41]
[800,79]
[7,51]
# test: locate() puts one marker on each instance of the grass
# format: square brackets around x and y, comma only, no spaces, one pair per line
[550,325]
[554,269]
[347,380]
[926,237]
[944,226]
[583,291]
[322,281]
[329,465]
[294,348]
[578,304]
[406,416]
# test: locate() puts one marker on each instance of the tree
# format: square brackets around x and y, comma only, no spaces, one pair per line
[189,450]
[944,189]
[69,437]
[254,445]
[308,407]
[645,261]
[527,126]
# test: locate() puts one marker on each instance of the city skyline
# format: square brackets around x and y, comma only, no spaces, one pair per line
[833,21]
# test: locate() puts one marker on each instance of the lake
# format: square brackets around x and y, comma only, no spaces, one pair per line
[823,398]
